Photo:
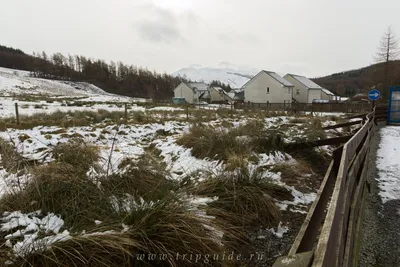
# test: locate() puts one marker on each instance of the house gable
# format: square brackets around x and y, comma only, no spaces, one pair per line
[184,91]
[265,88]
[300,91]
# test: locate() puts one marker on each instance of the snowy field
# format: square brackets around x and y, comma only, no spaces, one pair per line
[119,142]
[388,163]
[157,129]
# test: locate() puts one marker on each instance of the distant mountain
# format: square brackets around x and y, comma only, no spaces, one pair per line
[236,78]
[360,80]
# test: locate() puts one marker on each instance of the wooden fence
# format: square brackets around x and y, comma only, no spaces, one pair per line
[330,238]
[346,107]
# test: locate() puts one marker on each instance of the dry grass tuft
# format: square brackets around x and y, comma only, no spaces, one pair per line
[78,154]
[220,144]
[166,228]
[11,159]
[248,195]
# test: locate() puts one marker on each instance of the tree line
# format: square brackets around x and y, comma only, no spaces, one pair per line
[226,87]
[113,77]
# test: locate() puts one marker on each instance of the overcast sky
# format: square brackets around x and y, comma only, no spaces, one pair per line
[309,37]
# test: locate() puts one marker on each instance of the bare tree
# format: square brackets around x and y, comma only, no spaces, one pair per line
[388,51]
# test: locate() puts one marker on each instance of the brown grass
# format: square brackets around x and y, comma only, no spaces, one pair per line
[220,144]
[248,195]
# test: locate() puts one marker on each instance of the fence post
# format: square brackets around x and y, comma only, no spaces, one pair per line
[16,112]
[312,109]
[187,112]
[126,112]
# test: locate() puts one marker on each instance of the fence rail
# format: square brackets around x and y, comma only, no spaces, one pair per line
[329,238]
[346,107]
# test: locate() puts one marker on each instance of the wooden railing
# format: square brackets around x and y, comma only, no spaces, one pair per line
[346,107]
[329,236]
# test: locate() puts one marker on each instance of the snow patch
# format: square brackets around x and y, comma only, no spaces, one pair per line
[388,163]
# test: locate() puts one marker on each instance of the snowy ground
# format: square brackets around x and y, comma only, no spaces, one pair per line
[7,107]
[20,83]
[388,163]
[130,140]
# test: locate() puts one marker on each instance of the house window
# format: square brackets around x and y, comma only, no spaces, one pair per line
[267,90]
[297,91]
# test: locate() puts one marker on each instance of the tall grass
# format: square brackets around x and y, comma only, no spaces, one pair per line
[141,210]
[246,194]
[220,144]
[11,159]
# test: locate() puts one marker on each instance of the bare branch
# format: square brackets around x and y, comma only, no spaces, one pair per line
[388,48]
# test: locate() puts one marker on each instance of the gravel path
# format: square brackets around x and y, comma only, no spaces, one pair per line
[380,241]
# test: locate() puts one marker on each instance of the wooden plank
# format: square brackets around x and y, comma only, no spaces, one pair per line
[298,260]
[348,196]
[309,230]
[356,140]
[351,177]
[357,243]
[354,216]
[324,142]
[325,252]
[357,116]
[342,125]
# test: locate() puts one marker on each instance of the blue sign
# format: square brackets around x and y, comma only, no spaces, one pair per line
[374,94]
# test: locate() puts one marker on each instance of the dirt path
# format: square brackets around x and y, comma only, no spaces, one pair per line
[380,241]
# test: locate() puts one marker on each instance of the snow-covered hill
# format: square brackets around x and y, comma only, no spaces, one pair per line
[18,82]
[235,78]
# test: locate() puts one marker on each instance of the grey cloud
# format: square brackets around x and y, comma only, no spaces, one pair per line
[159,32]
[159,25]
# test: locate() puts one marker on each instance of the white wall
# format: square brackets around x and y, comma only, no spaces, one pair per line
[314,94]
[255,90]
[325,96]
[298,87]
[184,91]
[216,96]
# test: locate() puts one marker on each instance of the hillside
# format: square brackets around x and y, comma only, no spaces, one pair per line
[360,80]
[19,83]
[228,76]
[113,77]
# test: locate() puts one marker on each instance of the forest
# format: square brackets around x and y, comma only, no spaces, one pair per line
[113,77]
[361,80]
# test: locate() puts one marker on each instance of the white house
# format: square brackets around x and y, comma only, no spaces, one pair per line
[306,91]
[219,95]
[193,92]
[268,87]
[320,94]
